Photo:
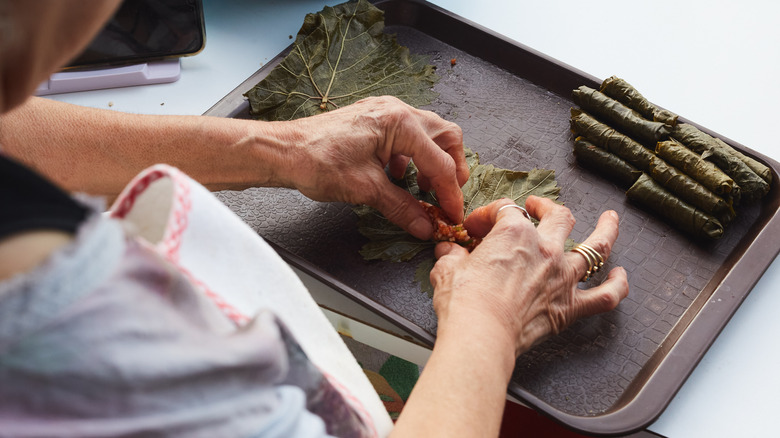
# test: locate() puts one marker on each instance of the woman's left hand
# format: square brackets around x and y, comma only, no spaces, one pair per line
[519,278]
[343,154]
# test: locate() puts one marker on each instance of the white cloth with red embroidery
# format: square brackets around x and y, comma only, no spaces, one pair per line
[173,318]
[241,274]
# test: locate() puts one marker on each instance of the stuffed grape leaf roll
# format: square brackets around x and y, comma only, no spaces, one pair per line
[761,170]
[626,94]
[690,191]
[751,185]
[606,138]
[605,163]
[703,171]
[650,195]
[621,117]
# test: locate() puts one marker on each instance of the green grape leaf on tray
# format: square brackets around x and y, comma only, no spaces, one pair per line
[486,183]
[422,276]
[340,56]
[387,241]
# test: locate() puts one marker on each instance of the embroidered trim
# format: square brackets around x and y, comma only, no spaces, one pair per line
[126,200]
[356,404]
[178,220]
[231,312]
[175,227]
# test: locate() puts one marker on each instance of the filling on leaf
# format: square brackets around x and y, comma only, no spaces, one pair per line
[446,231]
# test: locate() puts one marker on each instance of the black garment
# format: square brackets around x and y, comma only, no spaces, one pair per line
[28,202]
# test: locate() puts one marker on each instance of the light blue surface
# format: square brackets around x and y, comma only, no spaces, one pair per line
[241,36]
[715,63]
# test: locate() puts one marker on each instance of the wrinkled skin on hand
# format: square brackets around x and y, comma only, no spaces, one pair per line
[344,153]
[520,278]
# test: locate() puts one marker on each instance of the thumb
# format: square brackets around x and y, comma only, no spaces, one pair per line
[449,257]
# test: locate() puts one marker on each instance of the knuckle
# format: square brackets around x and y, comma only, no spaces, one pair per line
[602,247]
[443,131]
[608,301]
[512,229]
[565,215]
[397,115]
[389,100]
[552,251]
[379,100]
[393,211]
[441,270]
[446,165]
[392,104]
[453,128]
[384,108]
[449,143]
[371,193]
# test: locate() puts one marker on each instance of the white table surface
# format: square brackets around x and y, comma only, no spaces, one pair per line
[715,63]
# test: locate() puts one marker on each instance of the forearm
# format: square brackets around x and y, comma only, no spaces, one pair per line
[99,151]
[462,390]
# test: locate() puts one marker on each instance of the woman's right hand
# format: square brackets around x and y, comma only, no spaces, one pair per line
[519,278]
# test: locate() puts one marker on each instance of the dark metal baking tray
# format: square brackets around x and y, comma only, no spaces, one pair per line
[610,374]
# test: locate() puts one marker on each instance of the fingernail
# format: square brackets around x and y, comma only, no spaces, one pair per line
[421,228]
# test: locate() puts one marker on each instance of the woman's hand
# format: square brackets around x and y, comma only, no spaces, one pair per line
[343,154]
[494,303]
[519,278]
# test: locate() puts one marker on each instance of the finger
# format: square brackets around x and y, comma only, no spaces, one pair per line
[455,150]
[483,219]
[401,208]
[398,164]
[601,239]
[438,174]
[555,220]
[538,206]
[441,163]
[605,296]
[437,171]
[449,255]
[423,182]
[449,137]
[446,248]
[479,222]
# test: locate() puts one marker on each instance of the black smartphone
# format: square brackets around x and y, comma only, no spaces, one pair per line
[146,30]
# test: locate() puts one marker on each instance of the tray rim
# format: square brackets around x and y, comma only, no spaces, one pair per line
[680,359]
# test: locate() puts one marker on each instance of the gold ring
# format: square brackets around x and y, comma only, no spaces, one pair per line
[594,259]
[525,212]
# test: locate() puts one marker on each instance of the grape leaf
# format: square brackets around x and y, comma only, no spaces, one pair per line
[486,183]
[340,56]
[422,276]
[387,241]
